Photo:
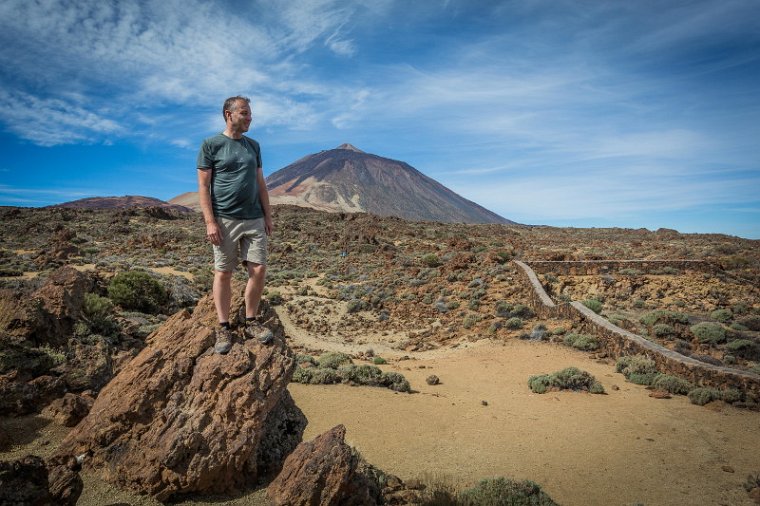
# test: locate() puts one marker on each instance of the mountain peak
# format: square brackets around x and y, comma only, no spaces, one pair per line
[350,147]
[347,179]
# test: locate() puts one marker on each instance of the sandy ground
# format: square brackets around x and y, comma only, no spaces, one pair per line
[623,448]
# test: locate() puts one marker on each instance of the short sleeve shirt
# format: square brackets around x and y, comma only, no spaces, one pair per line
[234,179]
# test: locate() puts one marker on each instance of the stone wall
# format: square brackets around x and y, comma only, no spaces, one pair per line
[586,267]
[619,342]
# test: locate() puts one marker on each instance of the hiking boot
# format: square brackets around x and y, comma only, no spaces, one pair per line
[223,340]
[255,330]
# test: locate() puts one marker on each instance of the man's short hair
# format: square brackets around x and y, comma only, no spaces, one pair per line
[231,104]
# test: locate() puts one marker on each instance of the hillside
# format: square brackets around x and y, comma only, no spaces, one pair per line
[350,180]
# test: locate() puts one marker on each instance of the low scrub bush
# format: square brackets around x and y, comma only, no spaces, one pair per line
[638,369]
[594,305]
[137,290]
[582,342]
[514,323]
[721,315]
[431,260]
[315,376]
[664,316]
[751,322]
[672,384]
[570,378]
[503,491]
[98,313]
[663,330]
[334,367]
[744,348]
[506,310]
[709,332]
[333,360]
[701,396]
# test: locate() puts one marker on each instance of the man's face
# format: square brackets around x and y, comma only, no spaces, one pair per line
[239,117]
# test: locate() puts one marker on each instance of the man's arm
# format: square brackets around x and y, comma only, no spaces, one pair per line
[213,233]
[264,198]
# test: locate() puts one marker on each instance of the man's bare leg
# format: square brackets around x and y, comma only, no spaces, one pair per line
[254,288]
[223,295]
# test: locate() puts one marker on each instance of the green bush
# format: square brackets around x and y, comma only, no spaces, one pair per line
[514,323]
[502,491]
[506,310]
[395,381]
[275,298]
[582,342]
[594,305]
[663,316]
[721,315]
[638,369]
[731,395]
[751,322]
[137,290]
[672,384]
[701,396]
[333,360]
[98,312]
[379,361]
[663,330]
[744,348]
[570,378]
[431,260]
[315,376]
[709,332]
[470,320]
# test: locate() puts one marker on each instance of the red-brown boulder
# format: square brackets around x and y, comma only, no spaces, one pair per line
[180,418]
[325,472]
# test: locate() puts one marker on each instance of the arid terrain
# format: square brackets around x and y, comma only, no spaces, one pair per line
[419,299]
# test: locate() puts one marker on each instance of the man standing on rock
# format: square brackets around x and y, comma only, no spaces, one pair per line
[235,203]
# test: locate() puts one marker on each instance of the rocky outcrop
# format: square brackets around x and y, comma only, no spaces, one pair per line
[32,481]
[325,472]
[180,418]
[70,409]
[61,300]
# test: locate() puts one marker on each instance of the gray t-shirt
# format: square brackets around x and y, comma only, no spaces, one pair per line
[234,185]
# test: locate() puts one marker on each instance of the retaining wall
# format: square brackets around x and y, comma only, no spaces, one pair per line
[586,267]
[618,342]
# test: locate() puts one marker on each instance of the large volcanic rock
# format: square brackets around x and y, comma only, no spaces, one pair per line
[326,471]
[180,418]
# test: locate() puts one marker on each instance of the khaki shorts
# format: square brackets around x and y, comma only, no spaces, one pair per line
[242,240]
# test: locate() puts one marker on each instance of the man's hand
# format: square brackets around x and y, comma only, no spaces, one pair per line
[213,234]
[268,225]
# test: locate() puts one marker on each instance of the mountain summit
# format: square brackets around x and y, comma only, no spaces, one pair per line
[346,179]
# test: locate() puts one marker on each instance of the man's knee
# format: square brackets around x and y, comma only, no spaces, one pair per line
[223,275]
[256,270]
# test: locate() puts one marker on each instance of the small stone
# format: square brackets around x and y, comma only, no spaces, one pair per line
[728,469]
[432,380]
[615,387]
[660,394]
[484,403]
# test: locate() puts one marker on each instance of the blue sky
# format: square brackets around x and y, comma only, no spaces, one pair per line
[560,112]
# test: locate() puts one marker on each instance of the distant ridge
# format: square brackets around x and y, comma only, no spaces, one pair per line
[346,179]
[125,202]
